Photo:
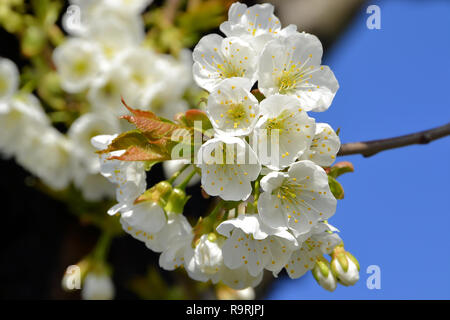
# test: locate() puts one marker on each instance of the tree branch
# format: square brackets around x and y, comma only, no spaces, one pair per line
[369,148]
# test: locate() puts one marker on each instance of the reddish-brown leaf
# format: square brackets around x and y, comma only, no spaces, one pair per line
[137,153]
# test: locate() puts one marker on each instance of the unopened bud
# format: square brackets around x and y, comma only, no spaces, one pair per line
[323,275]
[226,293]
[33,41]
[345,267]
[97,286]
[159,193]
[176,201]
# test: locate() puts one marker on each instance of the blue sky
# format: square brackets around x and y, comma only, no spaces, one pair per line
[396,211]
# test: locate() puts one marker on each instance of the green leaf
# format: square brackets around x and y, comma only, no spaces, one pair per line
[336,188]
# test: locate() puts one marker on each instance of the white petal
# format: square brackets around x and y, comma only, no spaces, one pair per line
[270,211]
[324,147]
[232,109]
[217,58]
[146,216]
[292,66]
[9,79]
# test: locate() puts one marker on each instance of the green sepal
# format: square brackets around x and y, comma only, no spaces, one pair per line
[176,201]
[340,168]
[351,257]
[336,188]
[229,205]
[343,261]
[323,266]
[191,116]
[159,193]
[33,41]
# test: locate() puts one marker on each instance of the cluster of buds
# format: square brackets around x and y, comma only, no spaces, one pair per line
[343,269]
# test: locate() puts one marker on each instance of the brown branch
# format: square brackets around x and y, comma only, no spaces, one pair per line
[170,10]
[369,148]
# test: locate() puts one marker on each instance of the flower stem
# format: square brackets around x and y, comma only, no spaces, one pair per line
[102,247]
[185,182]
[177,174]
[256,196]
[216,210]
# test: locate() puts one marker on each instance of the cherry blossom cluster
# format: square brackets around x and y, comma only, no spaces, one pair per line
[102,58]
[262,81]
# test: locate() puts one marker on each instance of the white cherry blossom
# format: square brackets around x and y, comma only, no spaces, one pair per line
[321,240]
[208,254]
[78,62]
[108,88]
[129,176]
[129,6]
[147,216]
[9,79]
[324,147]
[286,126]
[206,260]
[94,187]
[256,24]
[20,118]
[254,245]
[47,154]
[114,30]
[97,286]
[228,167]
[217,58]
[238,278]
[297,199]
[174,232]
[83,129]
[232,109]
[144,75]
[292,66]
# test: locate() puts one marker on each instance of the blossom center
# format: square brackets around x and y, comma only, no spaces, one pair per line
[80,67]
[289,191]
[229,70]
[289,80]
[236,113]
[279,122]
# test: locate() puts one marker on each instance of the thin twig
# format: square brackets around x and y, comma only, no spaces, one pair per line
[369,148]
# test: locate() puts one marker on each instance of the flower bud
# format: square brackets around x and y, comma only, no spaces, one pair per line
[323,275]
[226,293]
[159,193]
[176,201]
[208,253]
[33,41]
[97,286]
[345,267]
